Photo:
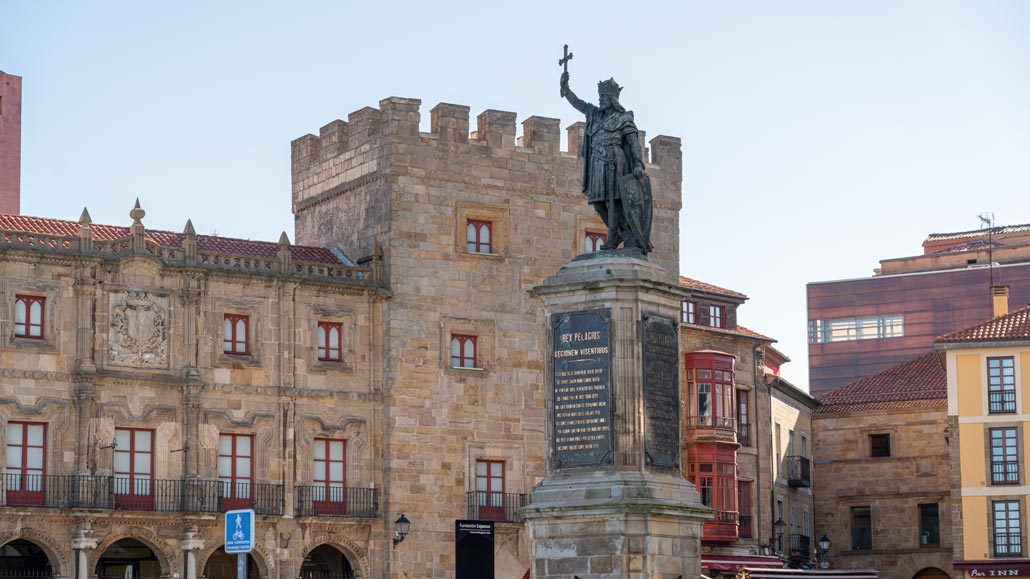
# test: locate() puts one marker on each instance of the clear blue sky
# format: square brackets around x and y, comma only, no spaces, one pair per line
[819,137]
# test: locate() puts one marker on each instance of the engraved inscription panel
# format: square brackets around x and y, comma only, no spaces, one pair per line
[582,389]
[660,343]
[138,335]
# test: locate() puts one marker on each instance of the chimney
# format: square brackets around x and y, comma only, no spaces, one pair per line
[1000,299]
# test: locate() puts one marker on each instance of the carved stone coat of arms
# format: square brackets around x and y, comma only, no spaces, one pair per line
[139,330]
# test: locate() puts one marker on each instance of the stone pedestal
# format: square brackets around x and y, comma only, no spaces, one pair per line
[615,502]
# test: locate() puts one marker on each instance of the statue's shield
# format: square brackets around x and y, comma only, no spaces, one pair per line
[637,207]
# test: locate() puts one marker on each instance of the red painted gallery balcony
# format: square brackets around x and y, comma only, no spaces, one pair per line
[139,494]
[798,471]
[721,529]
[709,428]
[490,506]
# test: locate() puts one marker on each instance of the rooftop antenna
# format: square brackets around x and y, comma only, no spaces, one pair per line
[987,220]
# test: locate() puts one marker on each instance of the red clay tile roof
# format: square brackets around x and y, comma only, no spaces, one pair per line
[707,287]
[1014,325]
[211,243]
[978,232]
[919,379]
[874,406]
[740,331]
[969,246]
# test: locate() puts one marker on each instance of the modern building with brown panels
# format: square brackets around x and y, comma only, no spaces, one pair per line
[858,327]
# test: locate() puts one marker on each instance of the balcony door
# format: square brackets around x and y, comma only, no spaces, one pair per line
[25,480]
[329,494]
[134,468]
[490,490]
[235,471]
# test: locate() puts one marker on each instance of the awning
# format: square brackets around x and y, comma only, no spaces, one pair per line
[995,567]
[734,562]
[807,573]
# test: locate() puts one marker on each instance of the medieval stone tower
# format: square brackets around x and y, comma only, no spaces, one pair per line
[464,225]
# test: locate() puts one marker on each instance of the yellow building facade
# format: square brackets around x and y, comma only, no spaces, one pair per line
[988,373]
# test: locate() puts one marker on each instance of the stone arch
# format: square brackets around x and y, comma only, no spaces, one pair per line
[259,554]
[931,573]
[170,564]
[917,563]
[354,553]
[59,563]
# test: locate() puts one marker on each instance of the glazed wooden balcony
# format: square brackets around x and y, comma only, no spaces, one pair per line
[721,529]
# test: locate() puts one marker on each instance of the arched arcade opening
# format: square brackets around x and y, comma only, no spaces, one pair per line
[222,565]
[129,559]
[327,562]
[22,559]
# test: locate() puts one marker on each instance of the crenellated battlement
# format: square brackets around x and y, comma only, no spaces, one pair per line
[377,180]
[399,117]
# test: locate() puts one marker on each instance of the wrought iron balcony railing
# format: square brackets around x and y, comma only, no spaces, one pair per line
[140,494]
[798,471]
[1004,472]
[1008,544]
[801,545]
[744,433]
[1002,402]
[323,501]
[489,506]
[744,527]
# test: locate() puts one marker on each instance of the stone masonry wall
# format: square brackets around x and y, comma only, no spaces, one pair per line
[281,394]
[411,193]
[917,472]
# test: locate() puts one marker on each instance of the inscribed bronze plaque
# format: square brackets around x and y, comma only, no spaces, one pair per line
[581,389]
[660,343]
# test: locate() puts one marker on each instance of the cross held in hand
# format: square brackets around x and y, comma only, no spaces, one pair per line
[565,61]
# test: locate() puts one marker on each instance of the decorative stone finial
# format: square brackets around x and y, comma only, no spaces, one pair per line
[189,228]
[137,213]
[85,219]
[284,239]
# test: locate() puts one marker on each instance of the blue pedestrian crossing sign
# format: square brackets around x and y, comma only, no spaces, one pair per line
[239,531]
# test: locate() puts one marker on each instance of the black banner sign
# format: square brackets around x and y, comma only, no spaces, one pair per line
[660,343]
[582,389]
[474,549]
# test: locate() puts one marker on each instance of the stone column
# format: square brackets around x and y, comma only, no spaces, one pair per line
[85,293]
[615,502]
[191,543]
[191,297]
[82,543]
[85,402]
[191,430]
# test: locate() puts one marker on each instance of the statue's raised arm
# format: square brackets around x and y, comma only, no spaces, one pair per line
[614,179]
[581,105]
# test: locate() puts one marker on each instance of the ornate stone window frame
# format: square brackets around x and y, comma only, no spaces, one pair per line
[496,215]
[50,292]
[343,317]
[255,331]
[584,225]
[482,330]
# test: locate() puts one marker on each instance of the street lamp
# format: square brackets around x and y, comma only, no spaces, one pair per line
[401,526]
[824,544]
[779,525]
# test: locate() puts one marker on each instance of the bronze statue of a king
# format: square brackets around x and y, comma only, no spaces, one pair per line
[614,180]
